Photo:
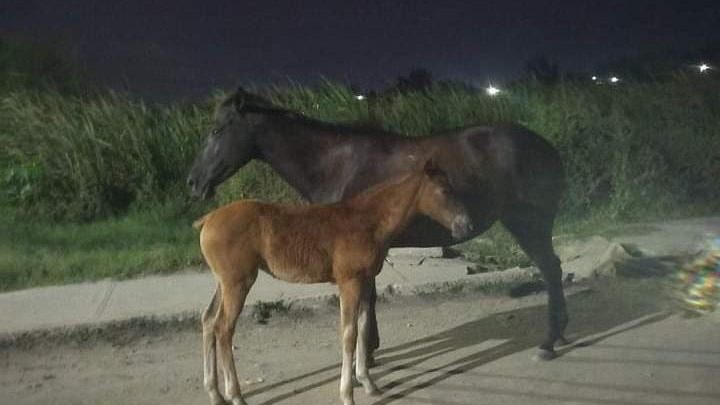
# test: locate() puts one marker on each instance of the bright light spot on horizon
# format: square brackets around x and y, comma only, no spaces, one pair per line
[614,79]
[704,67]
[359,97]
[594,78]
[492,91]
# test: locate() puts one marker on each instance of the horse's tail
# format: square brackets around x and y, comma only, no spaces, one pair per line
[198,224]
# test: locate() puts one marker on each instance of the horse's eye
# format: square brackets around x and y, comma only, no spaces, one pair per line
[215,131]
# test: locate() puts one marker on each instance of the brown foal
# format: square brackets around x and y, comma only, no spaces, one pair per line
[343,243]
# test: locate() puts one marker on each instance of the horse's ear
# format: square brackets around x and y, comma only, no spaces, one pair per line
[239,99]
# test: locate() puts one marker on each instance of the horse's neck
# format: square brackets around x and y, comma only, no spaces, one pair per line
[316,162]
[390,206]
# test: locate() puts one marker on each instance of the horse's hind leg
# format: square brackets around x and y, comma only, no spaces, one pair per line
[532,229]
[233,299]
[209,356]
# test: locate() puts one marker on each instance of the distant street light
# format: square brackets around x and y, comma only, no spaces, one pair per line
[492,91]
[359,97]
[594,78]
[704,67]
[614,79]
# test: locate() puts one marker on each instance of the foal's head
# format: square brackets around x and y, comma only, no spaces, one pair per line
[231,143]
[437,200]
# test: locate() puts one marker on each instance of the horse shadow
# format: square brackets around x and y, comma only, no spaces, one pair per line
[400,366]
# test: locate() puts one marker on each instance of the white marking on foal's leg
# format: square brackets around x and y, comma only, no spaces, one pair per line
[349,336]
[210,368]
[349,302]
[209,356]
[361,367]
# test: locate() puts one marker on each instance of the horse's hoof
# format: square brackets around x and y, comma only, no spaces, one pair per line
[545,355]
[563,341]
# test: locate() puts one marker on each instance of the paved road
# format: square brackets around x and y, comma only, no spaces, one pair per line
[631,347]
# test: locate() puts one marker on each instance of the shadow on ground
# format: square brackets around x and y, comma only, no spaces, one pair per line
[605,309]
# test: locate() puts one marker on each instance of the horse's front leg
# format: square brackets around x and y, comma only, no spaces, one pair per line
[362,353]
[373,338]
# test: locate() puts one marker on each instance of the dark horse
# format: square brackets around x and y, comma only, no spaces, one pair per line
[503,173]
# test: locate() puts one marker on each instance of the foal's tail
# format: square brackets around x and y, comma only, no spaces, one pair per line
[198,224]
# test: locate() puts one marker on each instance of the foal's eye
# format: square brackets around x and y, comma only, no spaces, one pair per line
[215,131]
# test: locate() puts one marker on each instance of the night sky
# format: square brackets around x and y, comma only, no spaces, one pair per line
[185,48]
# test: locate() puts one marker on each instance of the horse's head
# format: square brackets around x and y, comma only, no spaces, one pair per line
[230,145]
[438,200]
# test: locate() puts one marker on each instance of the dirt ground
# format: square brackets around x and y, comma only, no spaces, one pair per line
[437,348]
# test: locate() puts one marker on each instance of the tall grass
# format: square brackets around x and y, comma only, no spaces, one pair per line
[86,157]
[634,149]
[630,150]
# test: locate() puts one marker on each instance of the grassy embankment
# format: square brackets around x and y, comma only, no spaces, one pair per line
[92,183]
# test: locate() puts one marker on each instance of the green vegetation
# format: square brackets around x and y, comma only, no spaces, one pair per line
[41,253]
[262,311]
[92,182]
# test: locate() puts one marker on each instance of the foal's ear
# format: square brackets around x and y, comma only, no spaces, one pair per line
[432,170]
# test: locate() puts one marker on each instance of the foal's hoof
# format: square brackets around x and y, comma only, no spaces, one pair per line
[545,355]
[238,401]
[217,400]
[372,389]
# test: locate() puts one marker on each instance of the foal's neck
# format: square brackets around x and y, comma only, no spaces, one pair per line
[390,205]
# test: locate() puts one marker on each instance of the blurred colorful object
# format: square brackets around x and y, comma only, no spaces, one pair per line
[699,280]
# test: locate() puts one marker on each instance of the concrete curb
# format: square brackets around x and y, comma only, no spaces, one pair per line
[148,325]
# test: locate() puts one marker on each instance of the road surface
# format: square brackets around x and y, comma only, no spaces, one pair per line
[631,347]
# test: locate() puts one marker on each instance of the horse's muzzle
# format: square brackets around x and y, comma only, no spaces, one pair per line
[203,193]
[462,227]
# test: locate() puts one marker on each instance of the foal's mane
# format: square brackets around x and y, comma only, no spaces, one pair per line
[370,193]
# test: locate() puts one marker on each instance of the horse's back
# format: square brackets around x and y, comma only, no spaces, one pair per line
[513,157]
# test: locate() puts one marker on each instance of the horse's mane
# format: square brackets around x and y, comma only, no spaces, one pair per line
[258,104]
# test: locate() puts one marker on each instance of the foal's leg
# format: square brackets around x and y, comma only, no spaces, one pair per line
[533,231]
[350,291]
[209,356]
[233,299]
[361,354]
